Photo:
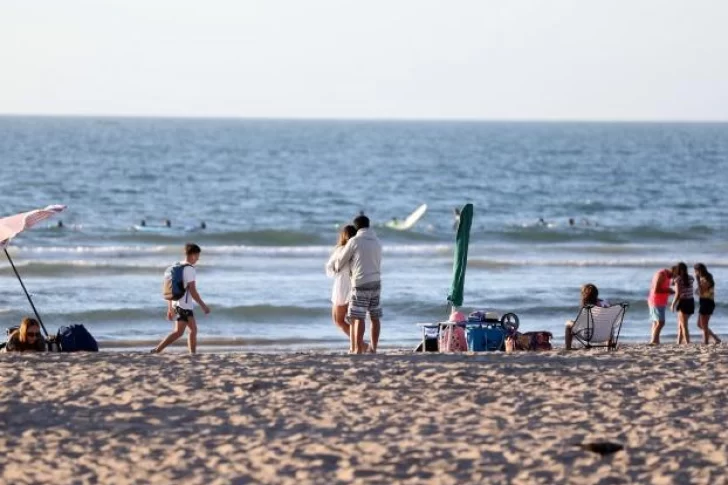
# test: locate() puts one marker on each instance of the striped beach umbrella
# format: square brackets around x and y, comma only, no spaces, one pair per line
[11,226]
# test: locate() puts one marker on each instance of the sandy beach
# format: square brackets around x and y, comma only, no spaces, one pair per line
[394,418]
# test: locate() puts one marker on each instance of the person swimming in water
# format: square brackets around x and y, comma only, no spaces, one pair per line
[203,225]
[168,223]
[143,223]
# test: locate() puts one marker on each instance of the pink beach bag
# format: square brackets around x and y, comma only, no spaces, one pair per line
[452,339]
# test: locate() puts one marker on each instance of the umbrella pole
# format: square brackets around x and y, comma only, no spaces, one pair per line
[26,292]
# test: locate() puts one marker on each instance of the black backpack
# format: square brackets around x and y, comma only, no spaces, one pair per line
[75,338]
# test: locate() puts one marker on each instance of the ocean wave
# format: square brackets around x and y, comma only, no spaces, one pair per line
[82,268]
[625,262]
[600,234]
[132,251]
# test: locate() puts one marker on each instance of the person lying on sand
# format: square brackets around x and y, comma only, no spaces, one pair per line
[27,338]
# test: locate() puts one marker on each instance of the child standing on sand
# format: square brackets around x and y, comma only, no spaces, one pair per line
[706,293]
[183,307]
[684,302]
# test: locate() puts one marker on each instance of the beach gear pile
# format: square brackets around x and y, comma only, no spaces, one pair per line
[69,338]
[481,332]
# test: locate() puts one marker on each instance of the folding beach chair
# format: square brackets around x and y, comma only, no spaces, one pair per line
[599,326]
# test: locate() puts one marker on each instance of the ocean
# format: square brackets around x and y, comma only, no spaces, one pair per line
[272,194]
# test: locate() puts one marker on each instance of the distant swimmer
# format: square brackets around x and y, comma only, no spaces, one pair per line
[203,225]
[143,223]
[541,222]
[571,221]
[168,223]
[60,223]
[456,216]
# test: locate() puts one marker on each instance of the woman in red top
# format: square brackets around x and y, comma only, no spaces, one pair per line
[657,300]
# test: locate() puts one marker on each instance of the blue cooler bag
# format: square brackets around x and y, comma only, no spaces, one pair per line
[495,338]
[475,336]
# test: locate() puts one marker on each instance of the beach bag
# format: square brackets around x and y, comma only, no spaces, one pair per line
[452,339]
[75,338]
[495,338]
[475,337]
[173,284]
[485,338]
[534,341]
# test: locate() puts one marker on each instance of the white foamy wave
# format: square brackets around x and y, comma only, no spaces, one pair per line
[127,251]
[106,250]
[617,263]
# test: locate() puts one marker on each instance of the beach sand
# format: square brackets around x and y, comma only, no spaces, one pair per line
[396,418]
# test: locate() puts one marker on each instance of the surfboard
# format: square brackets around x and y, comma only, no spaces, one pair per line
[152,228]
[410,221]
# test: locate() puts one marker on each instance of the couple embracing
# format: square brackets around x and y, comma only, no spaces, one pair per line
[355,265]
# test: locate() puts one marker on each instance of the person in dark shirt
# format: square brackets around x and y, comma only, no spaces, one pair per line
[27,338]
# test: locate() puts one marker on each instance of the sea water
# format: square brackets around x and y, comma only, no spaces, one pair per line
[273,193]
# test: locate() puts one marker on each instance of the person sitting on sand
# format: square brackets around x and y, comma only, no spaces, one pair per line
[589,297]
[27,338]
[342,282]
[706,293]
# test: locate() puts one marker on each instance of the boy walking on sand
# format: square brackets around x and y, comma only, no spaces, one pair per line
[182,308]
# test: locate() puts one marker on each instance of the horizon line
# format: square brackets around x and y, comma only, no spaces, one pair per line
[366,119]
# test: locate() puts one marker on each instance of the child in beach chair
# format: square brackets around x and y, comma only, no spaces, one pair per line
[597,324]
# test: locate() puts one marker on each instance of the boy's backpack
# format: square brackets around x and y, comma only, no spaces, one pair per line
[173,284]
[75,338]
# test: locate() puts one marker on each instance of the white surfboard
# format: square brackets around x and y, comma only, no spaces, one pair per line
[162,229]
[410,221]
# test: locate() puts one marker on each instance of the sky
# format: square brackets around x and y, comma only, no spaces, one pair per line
[382,59]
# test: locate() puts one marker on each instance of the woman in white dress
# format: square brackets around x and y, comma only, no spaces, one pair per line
[342,281]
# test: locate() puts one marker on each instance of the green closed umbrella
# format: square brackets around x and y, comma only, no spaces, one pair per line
[460,263]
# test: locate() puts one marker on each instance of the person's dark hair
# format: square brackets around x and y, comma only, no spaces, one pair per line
[681,272]
[703,272]
[361,222]
[191,248]
[589,294]
[346,233]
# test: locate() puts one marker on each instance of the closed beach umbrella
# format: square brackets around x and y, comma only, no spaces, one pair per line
[12,226]
[460,262]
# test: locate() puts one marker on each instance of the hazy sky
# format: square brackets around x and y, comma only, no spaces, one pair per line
[484,59]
